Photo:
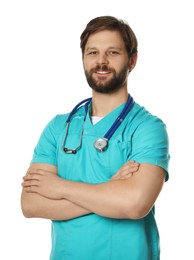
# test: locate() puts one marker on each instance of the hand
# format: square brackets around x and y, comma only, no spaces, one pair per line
[45,183]
[126,171]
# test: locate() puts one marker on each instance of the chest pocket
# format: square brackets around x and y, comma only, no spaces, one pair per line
[119,153]
[91,166]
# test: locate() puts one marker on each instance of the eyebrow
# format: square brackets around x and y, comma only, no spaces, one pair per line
[109,48]
[91,48]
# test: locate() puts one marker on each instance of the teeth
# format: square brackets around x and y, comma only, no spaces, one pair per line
[102,72]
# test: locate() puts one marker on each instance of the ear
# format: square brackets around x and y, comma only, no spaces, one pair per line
[132,62]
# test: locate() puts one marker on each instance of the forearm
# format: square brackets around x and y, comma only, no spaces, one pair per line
[37,206]
[107,199]
[111,199]
[125,196]
[129,198]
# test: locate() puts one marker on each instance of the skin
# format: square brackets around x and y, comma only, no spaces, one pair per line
[100,51]
[132,191]
[36,204]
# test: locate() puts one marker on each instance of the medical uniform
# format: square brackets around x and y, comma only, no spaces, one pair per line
[141,137]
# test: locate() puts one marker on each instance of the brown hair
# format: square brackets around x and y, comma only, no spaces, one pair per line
[110,23]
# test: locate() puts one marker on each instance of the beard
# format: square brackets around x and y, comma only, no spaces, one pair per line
[107,86]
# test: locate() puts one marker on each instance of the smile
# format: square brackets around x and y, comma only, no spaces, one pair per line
[103,72]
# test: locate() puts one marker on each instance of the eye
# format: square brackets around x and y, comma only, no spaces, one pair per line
[114,53]
[92,53]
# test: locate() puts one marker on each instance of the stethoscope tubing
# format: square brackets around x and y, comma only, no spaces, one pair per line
[120,119]
[87,101]
[100,144]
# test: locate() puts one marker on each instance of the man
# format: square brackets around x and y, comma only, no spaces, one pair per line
[97,171]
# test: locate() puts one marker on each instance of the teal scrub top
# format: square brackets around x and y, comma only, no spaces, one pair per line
[141,137]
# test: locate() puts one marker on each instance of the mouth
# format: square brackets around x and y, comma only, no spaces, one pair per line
[103,72]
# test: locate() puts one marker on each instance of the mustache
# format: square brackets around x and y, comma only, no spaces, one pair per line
[102,68]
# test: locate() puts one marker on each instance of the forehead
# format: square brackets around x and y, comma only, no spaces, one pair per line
[105,39]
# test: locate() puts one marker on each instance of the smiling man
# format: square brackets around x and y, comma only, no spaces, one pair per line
[97,171]
[106,66]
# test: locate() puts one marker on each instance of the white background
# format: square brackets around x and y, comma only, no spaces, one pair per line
[41,75]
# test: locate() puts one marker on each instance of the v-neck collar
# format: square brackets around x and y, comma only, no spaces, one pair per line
[104,124]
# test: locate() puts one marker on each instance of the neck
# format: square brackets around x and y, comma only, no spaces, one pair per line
[103,104]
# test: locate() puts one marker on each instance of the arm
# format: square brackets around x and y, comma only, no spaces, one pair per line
[130,198]
[123,198]
[35,205]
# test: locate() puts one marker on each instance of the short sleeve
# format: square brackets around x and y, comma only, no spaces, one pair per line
[45,150]
[150,143]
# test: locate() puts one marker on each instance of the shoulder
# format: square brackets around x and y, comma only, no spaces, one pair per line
[145,123]
[58,123]
[141,115]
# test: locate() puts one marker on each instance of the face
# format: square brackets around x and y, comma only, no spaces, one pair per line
[106,62]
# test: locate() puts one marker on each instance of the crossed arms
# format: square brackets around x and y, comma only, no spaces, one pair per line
[131,193]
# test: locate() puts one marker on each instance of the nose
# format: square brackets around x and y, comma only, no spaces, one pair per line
[102,59]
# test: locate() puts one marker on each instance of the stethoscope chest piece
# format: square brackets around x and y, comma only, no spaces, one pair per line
[101,144]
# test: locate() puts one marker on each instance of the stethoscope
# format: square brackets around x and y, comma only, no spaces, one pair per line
[101,144]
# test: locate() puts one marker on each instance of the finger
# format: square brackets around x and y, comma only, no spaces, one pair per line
[32,177]
[122,176]
[126,176]
[36,171]
[131,163]
[126,171]
[130,167]
[32,189]
[121,173]
[133,169]
[30,183]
